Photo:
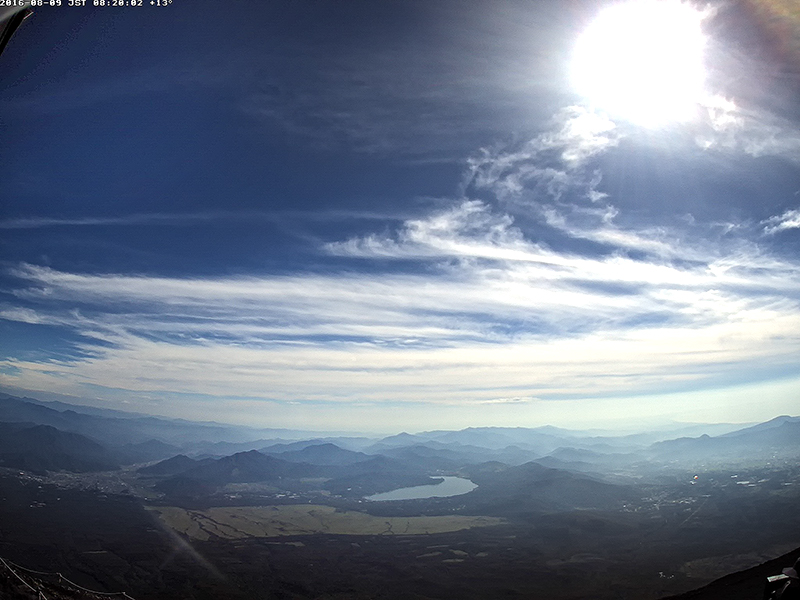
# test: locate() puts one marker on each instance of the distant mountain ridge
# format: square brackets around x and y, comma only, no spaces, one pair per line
[766,426]
[326,454]
[40,448]
[134,429]
[777,438]
[405,458]
[172,466]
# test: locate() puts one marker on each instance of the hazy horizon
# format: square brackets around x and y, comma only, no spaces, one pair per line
[614,427]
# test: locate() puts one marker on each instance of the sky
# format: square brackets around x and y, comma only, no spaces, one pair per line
[404,215]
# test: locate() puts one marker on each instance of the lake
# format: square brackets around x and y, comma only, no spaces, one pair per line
[451,486]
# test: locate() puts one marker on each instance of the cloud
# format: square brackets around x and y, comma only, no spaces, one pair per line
[549,165]
[466,229]
[596,224]
[178,219]
[554,177]
[788,220]
[491,317]
[494,315]
[726,126]
[512,400]
[137,219]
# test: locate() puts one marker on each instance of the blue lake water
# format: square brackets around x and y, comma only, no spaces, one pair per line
[451,486]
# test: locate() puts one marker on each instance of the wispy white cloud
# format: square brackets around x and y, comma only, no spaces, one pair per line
[553,176]
[493,316]
[547,166]
[597,224]
[511,400]
[466,229]
[470,230]
[726,126]
[788,220]
[173,219]
[137,219]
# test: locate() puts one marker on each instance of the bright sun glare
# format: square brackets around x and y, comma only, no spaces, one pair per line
[642,61]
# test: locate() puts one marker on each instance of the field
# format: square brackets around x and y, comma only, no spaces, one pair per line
[239,522]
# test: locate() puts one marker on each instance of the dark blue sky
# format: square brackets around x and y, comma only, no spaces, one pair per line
[337,214]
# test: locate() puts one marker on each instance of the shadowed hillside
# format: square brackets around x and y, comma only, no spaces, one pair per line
[40,448]
[743,585]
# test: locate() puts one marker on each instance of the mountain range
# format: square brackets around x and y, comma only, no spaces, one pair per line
[60,437]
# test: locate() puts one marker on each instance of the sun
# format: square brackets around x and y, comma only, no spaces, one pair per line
[642,61]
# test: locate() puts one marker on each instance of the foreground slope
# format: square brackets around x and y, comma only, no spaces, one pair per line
[742,585]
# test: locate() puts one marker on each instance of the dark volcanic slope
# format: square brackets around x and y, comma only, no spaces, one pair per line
[743,585]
